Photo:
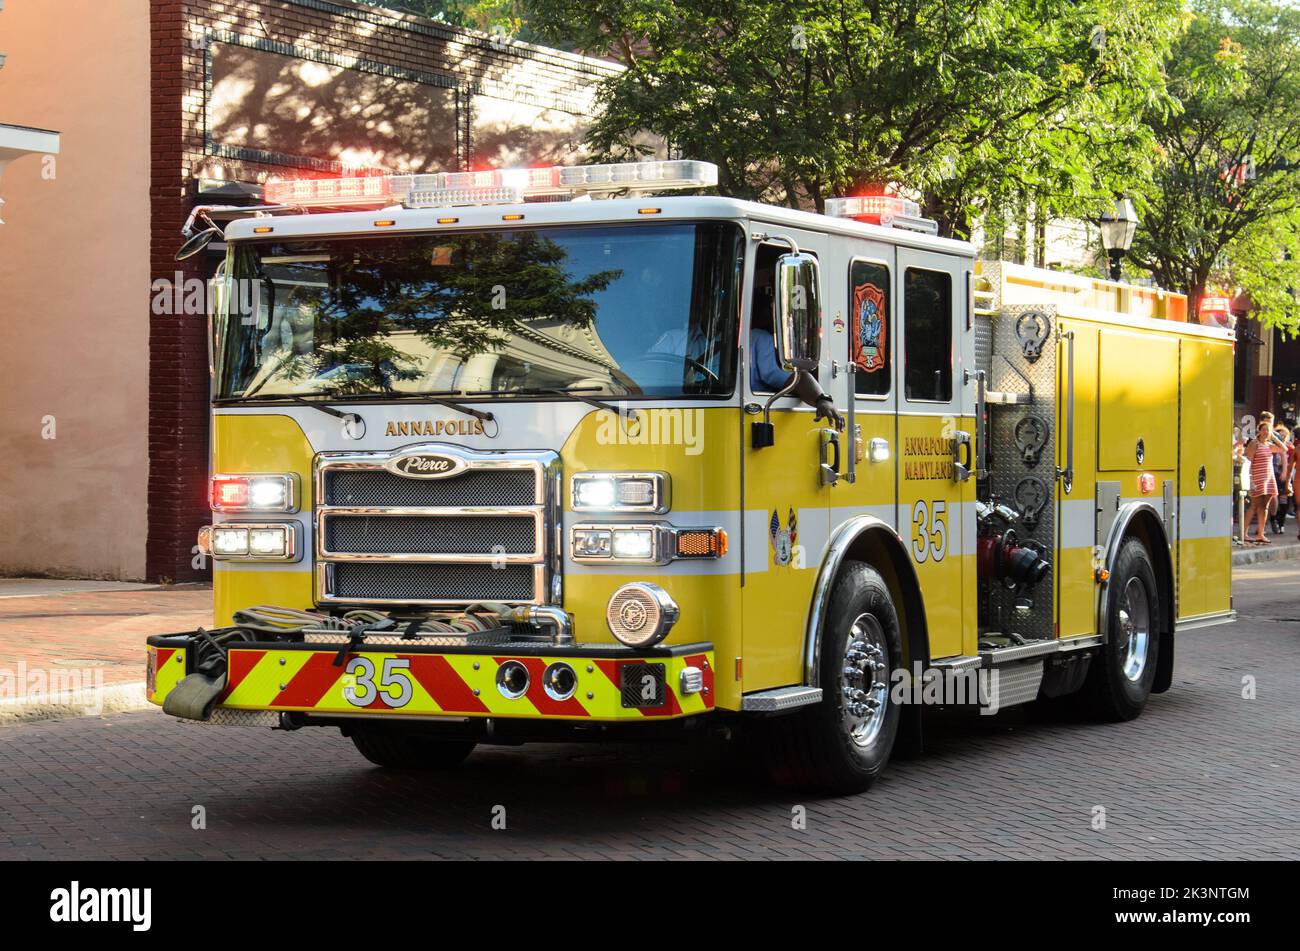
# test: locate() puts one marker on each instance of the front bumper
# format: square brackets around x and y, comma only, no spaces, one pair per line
[423,681]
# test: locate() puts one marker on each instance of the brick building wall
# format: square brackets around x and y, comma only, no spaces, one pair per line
[502,103]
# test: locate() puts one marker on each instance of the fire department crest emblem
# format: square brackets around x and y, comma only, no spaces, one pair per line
[783,539]
[869,327]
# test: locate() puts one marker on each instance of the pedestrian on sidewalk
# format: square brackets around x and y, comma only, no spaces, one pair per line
[1292,478]
[1263,483]
[1282,475]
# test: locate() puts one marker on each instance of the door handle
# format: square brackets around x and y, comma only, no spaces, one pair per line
[829,472]
[960,470]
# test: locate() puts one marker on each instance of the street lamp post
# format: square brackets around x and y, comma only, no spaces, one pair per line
[1117,229]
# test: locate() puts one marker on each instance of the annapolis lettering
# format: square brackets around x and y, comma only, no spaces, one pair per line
[434,427]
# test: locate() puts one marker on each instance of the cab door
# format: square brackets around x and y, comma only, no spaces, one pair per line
[787,494]
[935,444]
[865,344]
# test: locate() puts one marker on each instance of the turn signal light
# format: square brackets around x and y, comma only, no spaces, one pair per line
[701,542]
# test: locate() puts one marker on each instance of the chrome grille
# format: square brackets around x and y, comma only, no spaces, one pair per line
[397,534]
[482,533]
[371,487]
[369,581]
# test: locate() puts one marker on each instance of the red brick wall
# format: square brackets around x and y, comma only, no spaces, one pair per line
[178,371]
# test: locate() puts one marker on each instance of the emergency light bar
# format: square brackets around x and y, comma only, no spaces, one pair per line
[887,210]
[495,186]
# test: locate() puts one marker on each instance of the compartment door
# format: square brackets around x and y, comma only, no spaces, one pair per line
[1204,530]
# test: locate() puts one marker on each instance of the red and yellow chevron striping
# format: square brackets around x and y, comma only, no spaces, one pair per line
[381,682]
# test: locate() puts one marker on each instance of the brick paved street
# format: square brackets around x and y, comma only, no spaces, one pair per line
[46,624]
[1203,774]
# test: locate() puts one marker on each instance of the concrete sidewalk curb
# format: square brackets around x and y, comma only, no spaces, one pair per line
[93,702]
[1253,556]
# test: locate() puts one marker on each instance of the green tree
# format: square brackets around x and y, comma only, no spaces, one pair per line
[1223,204]
[487,16]
[967,104]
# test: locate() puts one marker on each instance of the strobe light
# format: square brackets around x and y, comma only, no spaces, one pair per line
[254,493]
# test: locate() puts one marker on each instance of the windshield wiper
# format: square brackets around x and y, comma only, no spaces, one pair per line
[573,392]
[320,405]
[439,398]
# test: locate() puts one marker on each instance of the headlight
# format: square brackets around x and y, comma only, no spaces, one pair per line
[592,542]
[626,544]
[255,493]
[236,541]
[634,543]
[641,614]
[229,541]
[645,492]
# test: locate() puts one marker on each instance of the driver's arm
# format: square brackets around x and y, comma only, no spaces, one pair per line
[810,391]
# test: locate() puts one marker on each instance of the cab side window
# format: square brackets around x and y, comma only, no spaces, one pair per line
[927,335]
[870,327]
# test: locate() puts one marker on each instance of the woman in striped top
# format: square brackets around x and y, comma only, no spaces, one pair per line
[1263,482]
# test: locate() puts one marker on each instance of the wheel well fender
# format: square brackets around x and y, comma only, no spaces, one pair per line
[870,540]
[1141,520]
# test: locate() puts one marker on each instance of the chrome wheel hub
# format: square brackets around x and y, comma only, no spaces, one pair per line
[864,680]
[1134,629]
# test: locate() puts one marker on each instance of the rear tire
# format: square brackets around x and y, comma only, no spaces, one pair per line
[842,744]
[406,751]
[1120,679]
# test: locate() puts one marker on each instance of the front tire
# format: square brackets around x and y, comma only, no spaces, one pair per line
[1120,680]
[405,751]
[842,744]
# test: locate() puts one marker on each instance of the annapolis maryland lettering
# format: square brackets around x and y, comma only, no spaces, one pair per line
[927,457]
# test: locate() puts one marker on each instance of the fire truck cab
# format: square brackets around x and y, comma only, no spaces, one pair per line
[510,456]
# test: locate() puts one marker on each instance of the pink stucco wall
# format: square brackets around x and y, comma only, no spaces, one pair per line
[74,286]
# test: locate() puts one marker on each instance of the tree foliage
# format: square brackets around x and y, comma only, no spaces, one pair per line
[1223,204]
[507,17]
[964,103]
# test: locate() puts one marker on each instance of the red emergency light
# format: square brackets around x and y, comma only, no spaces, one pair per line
[887,210]
[356,190]
[1216,311]
[489,186]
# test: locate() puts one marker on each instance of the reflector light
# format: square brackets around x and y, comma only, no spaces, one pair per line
[888,210]
[701,542]
[1147,483]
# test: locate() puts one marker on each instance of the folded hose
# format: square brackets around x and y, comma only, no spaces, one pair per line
[267,619]
[198,692]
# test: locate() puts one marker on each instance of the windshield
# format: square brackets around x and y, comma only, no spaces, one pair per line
[644,310]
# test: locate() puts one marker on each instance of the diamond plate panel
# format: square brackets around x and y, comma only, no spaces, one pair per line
[1012,371]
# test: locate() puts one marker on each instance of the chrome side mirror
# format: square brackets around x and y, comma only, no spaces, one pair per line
[797,312]
[197,242]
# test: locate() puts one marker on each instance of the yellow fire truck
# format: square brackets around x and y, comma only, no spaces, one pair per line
[514,455]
